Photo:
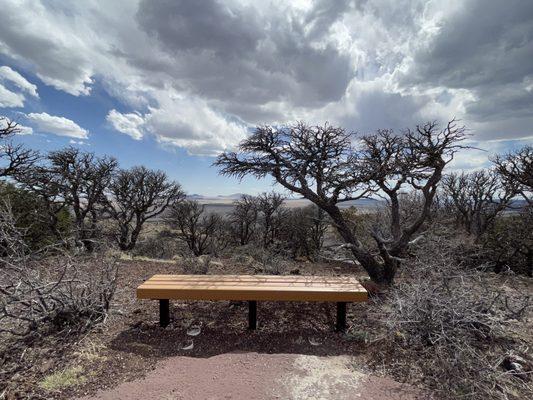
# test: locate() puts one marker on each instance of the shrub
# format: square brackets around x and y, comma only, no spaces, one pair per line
[54,292]
[302,231]
[509,244]
[269,261]
[195,265]
[162,245]
[451,326]
[33,219]
[196,228]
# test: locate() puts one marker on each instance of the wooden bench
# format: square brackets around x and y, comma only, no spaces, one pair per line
[253,288]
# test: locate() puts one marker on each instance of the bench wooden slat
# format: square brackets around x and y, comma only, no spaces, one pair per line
[252,287]
[255,278]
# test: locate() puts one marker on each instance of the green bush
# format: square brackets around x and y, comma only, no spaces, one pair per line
[508,245]
[32,217]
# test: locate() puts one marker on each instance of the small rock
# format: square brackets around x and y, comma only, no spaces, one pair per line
[216,264]
[517,365]
[46,366]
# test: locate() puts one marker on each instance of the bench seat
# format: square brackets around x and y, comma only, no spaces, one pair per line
[253,288]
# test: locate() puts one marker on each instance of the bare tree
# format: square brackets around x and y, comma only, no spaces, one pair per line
[269,208]
[321,164]
[196,228]
[80,180]
[319,226]
[477,198]
[137,195]
[39,180]
[517,169]
[13,158]
[243,218]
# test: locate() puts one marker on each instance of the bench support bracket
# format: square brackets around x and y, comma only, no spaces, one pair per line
[252,315]
[341,317]
[164,314]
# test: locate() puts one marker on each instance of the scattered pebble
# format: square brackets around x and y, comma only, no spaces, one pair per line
[194,330]
[188,345]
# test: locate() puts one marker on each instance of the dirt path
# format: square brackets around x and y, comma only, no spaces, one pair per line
[254,376]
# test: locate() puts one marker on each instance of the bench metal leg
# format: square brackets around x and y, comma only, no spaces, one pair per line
[164,313]
[341,317]
[252,315]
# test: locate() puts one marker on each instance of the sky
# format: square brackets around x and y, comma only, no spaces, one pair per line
[170,84]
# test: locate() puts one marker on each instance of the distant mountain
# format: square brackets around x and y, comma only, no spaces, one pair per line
[290,201]
[234,196]
[194,196]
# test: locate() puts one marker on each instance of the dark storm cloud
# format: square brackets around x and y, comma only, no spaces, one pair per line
[198,74]
[201,26]
[324,14]
[487,48]
[377,109]
[231,52]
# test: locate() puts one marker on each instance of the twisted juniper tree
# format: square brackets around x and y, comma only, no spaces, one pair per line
[80,180]
[137,195]
[516,168]
[13,158]
[478,198]
[196,228]
[323,165]
[270,208]
[243,219]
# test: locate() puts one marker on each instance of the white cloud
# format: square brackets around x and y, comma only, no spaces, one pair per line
[182,122]
[46,40]
[22,130]
[78,142]
[8,74]
[9,98]
[130,124]
[57,125]
[192,124]
[15,96]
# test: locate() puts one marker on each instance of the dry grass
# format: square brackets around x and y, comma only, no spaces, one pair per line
[63,379]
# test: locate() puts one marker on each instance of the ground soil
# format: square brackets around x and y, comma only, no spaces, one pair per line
[254,376]
[294,353]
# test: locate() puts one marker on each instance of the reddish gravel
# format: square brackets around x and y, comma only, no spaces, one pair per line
[254,376]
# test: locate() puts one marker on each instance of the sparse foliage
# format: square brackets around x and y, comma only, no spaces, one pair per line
[516,169]
[321,164]
[270,216]
[79,180]
[243,219]
[303,231]
[195,228]
[451,326]
[13,158]
[137,195]
[30,214]
[477,198]
[508,245]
